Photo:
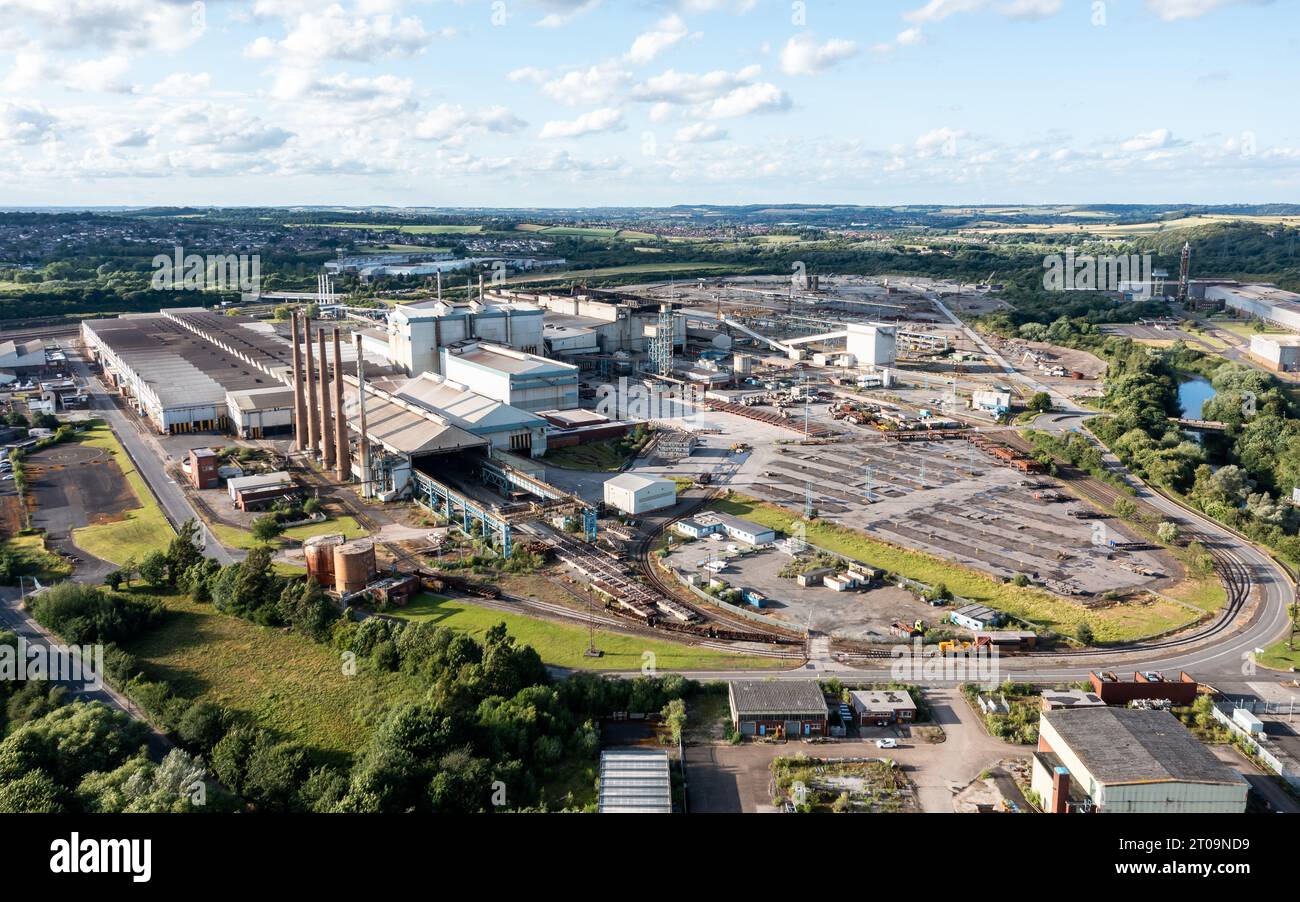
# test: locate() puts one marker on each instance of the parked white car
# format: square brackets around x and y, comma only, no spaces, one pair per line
[886,743]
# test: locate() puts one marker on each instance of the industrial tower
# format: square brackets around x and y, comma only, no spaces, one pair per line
[1184,273]
[661,346]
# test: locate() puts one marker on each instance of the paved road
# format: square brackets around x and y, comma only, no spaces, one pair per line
[148,457]
[19,622]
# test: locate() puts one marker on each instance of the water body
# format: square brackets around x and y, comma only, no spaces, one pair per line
[1192,394]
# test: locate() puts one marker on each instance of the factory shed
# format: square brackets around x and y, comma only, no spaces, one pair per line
[634,494]
[777,707]
[522,380]
[1129,760]
[635,781]
[261,412]
[880,707]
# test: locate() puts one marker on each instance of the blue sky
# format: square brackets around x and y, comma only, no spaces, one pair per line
[607,102]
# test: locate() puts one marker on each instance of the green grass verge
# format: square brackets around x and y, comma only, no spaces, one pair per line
[1279,657]
[141,530]
[280,680]
[234,537]
[563,646]
[1117,623]
[32,559]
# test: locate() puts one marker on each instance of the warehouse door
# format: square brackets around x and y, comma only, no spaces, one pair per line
[747,728]
[793,727]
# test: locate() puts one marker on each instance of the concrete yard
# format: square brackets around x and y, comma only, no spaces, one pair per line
[863,616]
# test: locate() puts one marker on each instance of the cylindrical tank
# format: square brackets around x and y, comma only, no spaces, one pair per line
[319,552]
[354,566]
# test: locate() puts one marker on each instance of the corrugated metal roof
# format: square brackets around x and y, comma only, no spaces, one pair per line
[635,781]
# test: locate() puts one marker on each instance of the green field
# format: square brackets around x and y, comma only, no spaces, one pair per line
[234,537]
[563,646]
[393,227]
[141,530]
[32,559]
[1279,657]
[1117,623]
[279,680]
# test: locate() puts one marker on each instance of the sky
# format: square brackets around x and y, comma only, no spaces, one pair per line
[586,103]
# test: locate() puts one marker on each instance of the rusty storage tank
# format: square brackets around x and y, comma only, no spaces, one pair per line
[354,566]
[319,552]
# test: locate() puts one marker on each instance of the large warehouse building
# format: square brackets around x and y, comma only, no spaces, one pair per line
[180,368]
[1127,760]
[1264,302]
[522,380]
[416,333]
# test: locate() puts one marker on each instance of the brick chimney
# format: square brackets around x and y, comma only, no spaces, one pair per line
[1060,791]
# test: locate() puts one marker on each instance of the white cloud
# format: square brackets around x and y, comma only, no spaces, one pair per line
[699,132]
[607,119]
[667,33]
[802,54]
[25,123]
[180,84]
[1152,140]
[938,142]
[1173,10]
[763,97]
[583,87]
[564,11]
[451,120]
[938,10]
[671,86]
[103,75]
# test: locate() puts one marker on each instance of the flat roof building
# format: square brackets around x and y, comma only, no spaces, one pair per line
[777,707]
[880,706]
[522,380]
[733,527]
[1264,302]
[976,617]
[635,781]
[1277,352]
[1127,760]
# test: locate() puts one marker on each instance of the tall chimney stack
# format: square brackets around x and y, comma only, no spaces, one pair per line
[313,412]
[363,446]
[326,439]
[1060,791]
[342,454]
[299,423]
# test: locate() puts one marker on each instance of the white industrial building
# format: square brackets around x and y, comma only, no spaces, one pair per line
[1263,302]
[996,401]
[581,324]
[1129,760]
[522,380]
[635,494]
[872,345]
[732,527]
[260,412]
[416,333]
[1277,352]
